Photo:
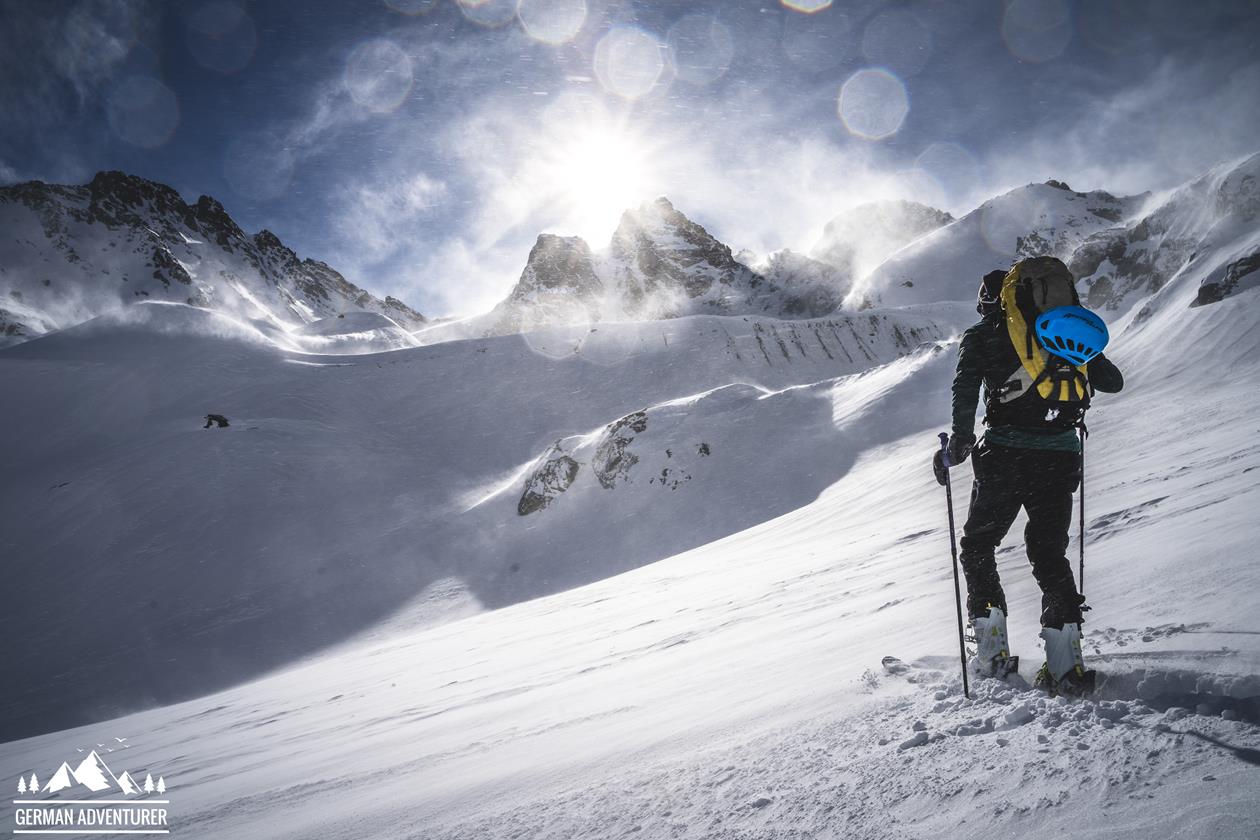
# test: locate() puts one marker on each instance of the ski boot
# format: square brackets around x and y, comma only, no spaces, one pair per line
[1064,671]
[993,651]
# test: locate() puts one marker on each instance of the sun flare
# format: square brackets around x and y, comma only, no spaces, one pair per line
[598,173]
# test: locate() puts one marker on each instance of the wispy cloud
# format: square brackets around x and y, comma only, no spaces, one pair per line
[1186,117]
[9,175]
[381,219]
[57,56]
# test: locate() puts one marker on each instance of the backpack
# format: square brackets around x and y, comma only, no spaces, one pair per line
[1047,384]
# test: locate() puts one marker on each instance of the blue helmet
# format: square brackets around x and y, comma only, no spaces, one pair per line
[1072,332]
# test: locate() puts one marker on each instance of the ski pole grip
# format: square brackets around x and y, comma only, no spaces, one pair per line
[944,436]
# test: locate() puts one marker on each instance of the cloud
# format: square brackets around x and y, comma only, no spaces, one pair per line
[380,220]
[351,96]
[1185,118]
[458,278]
[9,175]
[388,239]
[56,57]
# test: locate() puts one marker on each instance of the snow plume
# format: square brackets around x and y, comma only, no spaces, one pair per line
[176,319]
[1187,117]
[379,221]
[574,166]
[9,175]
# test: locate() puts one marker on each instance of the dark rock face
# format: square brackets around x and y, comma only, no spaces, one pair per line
[812,287]
[559,285]
[1239,275]
[552,478]
[395,309]
[612,462]
[558,264]
[1239,194]
[671,252]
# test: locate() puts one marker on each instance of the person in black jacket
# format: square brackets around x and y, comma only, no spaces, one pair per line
[1029,458]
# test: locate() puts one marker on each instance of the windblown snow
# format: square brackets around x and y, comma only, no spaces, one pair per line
[633,578]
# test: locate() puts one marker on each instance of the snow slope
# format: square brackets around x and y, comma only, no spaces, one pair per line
[346,486]
[350,333]
[736,690]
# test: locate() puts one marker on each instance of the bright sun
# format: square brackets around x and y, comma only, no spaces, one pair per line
[598,174]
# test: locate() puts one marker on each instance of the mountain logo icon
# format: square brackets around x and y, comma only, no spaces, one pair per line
[95,775]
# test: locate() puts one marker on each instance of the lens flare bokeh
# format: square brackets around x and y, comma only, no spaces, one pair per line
[808,7]
[142,111]
[873,104]
[378,75]
[488,13]
[628,62]
[221,37]
[552,21]
[700,48]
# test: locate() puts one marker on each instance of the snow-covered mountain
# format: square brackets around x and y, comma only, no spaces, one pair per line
[1213,218]
[862,237]
[69,253]
[659,264]
[1034,220]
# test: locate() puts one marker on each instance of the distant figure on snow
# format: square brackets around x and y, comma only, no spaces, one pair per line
[211,419]
[1039,373]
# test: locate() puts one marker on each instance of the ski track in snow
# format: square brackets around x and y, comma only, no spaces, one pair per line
[929,763]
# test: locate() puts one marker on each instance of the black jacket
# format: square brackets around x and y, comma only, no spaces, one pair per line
[987,356]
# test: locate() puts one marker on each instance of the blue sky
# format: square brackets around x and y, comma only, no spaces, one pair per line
[419,146]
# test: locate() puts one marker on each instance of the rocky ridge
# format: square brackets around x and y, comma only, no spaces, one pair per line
[1211,218]
[70,253]
[659,264]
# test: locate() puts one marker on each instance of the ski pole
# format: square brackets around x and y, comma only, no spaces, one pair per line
[953,550]
[1084,434]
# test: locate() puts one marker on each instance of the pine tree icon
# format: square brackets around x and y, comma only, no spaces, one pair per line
[161,788]
[148,783]
[21,784]
[34,785]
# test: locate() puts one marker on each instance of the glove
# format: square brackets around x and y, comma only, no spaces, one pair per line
[959,448]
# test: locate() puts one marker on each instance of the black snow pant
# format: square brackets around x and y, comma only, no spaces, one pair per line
[1041,482]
